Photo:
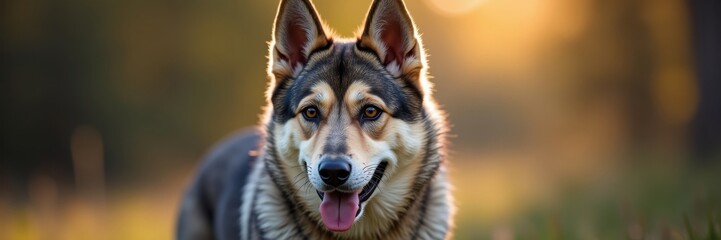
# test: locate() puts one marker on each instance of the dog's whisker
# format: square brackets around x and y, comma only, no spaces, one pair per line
[306,186]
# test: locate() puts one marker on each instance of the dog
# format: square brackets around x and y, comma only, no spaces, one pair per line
[351,146]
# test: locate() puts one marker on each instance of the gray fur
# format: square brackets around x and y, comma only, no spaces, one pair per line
[238,194]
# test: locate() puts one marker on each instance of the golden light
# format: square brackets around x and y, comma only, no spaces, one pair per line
[454,7]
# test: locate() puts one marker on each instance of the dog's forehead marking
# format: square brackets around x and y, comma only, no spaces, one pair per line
[335,71]
[340,66]
[320,94]
[356,91]
[360,93]
[323,93]
[321,90]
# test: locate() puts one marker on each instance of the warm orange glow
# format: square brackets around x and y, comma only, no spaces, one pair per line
[454,7]
[514,37]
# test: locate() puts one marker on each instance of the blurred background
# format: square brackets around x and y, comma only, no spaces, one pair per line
[572,119]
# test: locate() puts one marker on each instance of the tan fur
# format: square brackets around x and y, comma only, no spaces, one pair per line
[391,139]
[400,142]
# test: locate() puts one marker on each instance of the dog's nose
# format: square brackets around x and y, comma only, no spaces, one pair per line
[334,171]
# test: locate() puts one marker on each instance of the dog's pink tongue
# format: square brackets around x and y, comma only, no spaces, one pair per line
[338,210]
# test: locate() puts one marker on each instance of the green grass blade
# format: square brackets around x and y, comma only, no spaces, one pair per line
[712,235]
[689,230]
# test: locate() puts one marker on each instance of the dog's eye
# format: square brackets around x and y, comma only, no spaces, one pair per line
[310,113]
[371,113]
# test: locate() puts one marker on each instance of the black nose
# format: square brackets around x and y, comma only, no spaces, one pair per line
[334,171]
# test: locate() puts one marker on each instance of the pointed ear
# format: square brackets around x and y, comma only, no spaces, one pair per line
[389,31]
[297,33]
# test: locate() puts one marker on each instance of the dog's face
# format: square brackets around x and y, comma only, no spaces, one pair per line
[347,119]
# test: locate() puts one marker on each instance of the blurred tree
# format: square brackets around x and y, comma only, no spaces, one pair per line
[706,19]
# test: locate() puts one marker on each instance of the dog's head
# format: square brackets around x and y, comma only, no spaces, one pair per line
[351,120]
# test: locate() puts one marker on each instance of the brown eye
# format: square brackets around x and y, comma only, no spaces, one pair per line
[371,113]
[310,113]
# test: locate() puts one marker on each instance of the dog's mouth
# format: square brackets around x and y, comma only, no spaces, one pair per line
[339,209]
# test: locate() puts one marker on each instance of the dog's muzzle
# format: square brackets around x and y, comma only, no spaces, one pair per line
[338,209]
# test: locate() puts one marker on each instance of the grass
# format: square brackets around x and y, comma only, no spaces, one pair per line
[631,202]
[496,201]
[712,233]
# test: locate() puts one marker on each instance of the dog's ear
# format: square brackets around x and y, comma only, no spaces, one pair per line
[297,33]
[389,31]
